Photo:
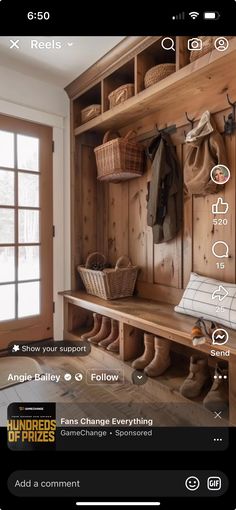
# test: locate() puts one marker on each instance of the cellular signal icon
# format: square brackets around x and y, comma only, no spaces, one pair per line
[179,16]
[193,14]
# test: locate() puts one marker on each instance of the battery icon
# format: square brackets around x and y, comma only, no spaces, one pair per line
[211,15]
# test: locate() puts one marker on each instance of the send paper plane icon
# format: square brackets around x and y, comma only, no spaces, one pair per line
[220,293]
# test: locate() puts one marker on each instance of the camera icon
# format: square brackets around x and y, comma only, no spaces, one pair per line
[195,44]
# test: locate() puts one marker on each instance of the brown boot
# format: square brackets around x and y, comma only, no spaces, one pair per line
[113,334]
[103,332]
[161,360]
[148,355]
[97,322]
[197,378]
[217,398]
[114,346]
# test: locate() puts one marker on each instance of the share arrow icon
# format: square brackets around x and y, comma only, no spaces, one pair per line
[220,293]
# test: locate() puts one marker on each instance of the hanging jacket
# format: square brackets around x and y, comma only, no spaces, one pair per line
[206,149]
[164,207]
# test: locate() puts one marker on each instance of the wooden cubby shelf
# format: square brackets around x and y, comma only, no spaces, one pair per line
[111,218]
[203,77]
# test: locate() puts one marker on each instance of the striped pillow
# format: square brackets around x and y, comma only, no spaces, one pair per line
[210,299]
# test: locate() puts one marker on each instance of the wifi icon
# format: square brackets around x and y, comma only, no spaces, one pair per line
[193,14]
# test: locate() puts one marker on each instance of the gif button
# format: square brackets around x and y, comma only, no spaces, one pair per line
[214,483]
[105,376]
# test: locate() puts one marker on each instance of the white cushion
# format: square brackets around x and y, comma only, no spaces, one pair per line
[197,300]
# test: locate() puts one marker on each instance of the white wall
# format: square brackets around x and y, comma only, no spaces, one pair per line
[28,91]
[31,99]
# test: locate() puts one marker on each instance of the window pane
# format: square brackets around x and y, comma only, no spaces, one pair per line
[6,187]
[28,262]
[7,264]
[28,153]
[6,149]
[7,300]
[7,234]
[28,226]
[28,299]
[28,185]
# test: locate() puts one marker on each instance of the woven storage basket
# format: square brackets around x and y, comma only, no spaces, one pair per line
[90,112]
[158,73]
[110,283]
[121,94]
[119,159]
[207,45]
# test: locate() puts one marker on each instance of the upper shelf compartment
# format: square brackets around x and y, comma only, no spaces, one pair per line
[122,76]
[152,56]
[200,85]
[89,101]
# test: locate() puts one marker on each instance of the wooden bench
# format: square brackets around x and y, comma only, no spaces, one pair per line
[137,315]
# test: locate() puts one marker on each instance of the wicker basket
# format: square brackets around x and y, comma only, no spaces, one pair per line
[121,94]
[110,283]
[207,45]
[119,159]
[90,112]
[158,73]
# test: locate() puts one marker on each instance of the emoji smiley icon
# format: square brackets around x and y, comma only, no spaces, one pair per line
[192,483]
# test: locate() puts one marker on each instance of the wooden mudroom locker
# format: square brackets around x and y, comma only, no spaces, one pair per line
[109,220]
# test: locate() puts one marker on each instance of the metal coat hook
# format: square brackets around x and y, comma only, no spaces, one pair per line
[230,123]
[231,104]
[167,129]
[191,121]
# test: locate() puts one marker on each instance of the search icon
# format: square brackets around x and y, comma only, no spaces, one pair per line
[168,43]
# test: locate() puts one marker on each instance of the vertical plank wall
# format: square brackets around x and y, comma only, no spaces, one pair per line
[113,220]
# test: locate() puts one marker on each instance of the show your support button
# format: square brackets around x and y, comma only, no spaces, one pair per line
[105,376]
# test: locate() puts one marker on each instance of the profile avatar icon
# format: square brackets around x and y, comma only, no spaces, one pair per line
[220,174]
[221,44]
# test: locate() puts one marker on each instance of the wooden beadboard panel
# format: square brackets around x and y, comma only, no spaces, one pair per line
[102,218]
[138,246]
[83,204]
[118,220]
[89,201]
[163,293]
[167,264]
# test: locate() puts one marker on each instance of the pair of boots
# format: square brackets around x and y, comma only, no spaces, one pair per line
[156,357]
[105,333]
[199,376]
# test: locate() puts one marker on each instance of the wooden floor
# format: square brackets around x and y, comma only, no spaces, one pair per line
[124,400]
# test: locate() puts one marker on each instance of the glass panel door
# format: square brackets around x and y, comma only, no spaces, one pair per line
[25,235]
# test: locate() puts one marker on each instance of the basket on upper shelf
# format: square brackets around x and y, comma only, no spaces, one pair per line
[108,283]
[90,112]
[121,94]
[158,73]
[119,159]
